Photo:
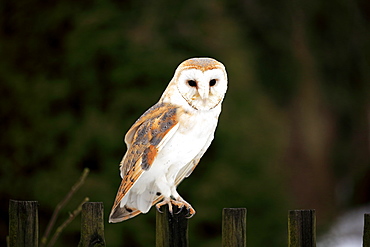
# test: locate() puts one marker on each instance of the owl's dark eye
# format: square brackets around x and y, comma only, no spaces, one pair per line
[212,82]
[192,83]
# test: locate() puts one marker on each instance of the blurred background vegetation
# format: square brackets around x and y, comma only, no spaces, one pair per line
[294,131]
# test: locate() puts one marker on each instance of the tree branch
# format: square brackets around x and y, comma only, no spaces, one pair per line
[72,215]
[51,223]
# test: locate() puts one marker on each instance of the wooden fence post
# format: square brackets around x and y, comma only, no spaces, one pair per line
[366,238]
[23,223]
[172,230]
[302,228]
[92,225]
[234,232]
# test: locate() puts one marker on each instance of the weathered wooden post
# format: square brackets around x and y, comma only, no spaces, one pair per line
[234,227]
[366,237]
[172,229]
[23,224]
[302,228]
[92,225]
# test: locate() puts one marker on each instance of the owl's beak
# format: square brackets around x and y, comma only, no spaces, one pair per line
[203,92]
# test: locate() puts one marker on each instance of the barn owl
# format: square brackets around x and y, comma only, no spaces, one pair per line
[166,143]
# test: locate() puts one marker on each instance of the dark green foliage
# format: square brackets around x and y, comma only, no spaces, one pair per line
[74,76]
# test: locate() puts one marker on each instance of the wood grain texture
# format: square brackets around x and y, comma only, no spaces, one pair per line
[234,232]
[366,236]
[92,225]
[302,228]
[23,223]
[172,229]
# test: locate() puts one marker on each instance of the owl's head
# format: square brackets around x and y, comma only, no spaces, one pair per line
[202,82]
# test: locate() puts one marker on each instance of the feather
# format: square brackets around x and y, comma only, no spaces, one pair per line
[144,140]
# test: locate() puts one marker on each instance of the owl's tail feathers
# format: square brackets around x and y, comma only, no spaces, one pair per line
[131,205]
[122,213]
[119,213]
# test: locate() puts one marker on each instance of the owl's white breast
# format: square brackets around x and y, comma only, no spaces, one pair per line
[195,131]
[190,141]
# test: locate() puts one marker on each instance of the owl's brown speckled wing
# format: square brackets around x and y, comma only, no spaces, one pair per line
[144,140]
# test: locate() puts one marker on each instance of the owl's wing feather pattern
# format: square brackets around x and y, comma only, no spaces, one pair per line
[183,173]
[144,140]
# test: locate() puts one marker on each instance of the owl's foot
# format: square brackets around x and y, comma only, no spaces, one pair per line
[166,201]
[180,203]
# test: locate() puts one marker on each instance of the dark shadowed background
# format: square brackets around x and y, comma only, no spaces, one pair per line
[294,131]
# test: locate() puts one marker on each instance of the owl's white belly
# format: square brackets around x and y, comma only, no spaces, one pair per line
[189,142]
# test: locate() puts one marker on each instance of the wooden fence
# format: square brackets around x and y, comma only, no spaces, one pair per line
[171,230]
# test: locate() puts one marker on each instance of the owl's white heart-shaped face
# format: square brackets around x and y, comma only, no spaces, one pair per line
[201,82]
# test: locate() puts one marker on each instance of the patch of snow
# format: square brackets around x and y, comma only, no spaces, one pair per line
[347,230]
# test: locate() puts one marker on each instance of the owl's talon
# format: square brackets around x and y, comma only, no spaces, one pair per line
[180,210]
[165,202]
[181,203]
[158,209]
[191,212]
